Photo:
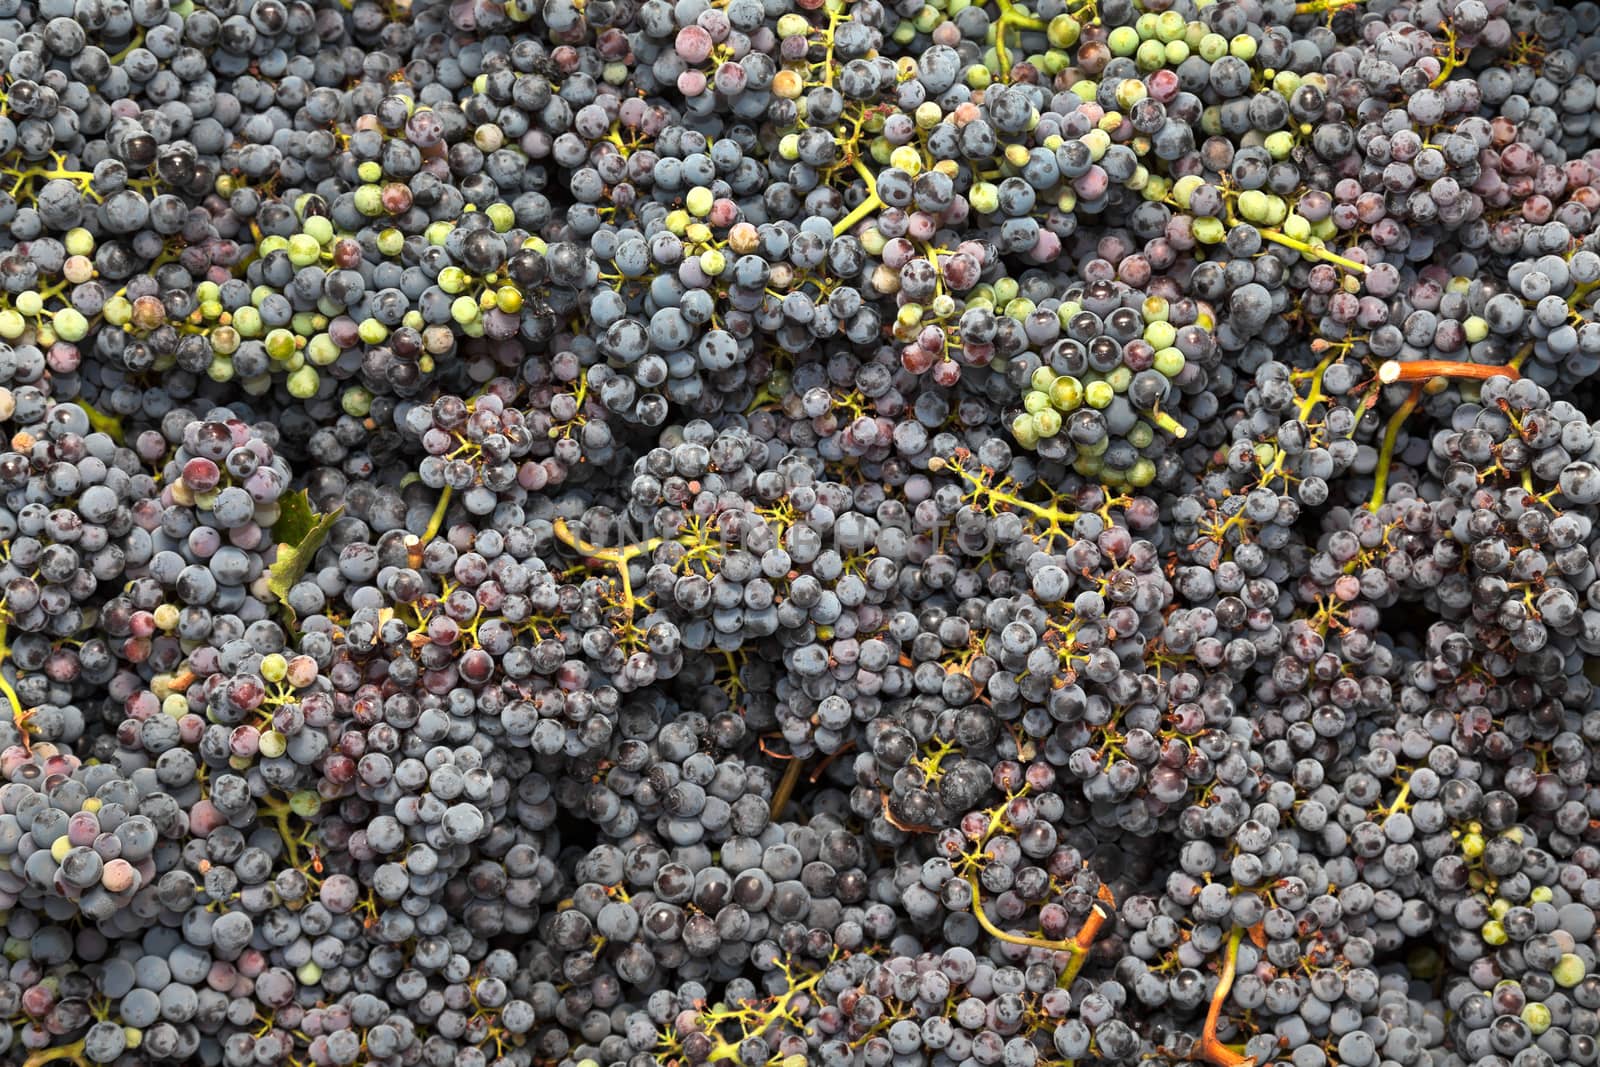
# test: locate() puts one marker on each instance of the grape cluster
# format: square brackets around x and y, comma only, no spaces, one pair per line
[617,533]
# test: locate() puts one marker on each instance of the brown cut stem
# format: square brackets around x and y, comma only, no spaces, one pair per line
[1423,369]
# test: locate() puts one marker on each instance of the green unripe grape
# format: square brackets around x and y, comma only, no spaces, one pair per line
[1042,379]
[1098,141]
[1183,189]
[1286,82]
[452,280]
[464,309]
[304,250]
[1537,1016]
[1019,308]
[279,343]
[270,244]
[70,325]
[1142,473]
[29,302]
[1099,394]
[699,201]
[1066,394]
[1123,41]
[1493,933]
[1169,361]
[1034,401]
[1152,55]
[369,171]
[1569,970]
[1142,435]
[1170,26]
[1213,46]
[373,332]
[317,227]
[1500,908]
[1085,90]
[247,320]
[302,384]
[1476,328]
[1145,25]
[1023,429]
[1253,205]
[1119,378]
[1047,422]
[221,369]
[224,340]
[12,325]
[1087,465]
[1096,449]
[1160,334]
[1129,92]
[78,241]
[1177,52]
[1209,230]
[926,19]
[1063,31]
[356,402]
[369,200]
[273,744]
[1243,46]
[1297,227]
[1005,291]
[501,217]
[1279,145]
[321,351]
[1277,210]
[984,198]
[1194,33]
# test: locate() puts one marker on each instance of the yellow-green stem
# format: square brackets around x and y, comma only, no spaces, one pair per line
[437,520]
[1314,251]
[1391,433]
[863,209]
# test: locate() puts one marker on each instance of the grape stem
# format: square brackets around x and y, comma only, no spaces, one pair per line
[1314,251]
[1391,433]
[1212,1050]
[866,207]
[1419,370]
[18,716]
[73,1052]
[437,519]
[1011,18]
[1078,946]
[619,557]
[785,790]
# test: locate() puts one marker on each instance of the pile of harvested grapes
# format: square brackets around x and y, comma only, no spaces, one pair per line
[857,533]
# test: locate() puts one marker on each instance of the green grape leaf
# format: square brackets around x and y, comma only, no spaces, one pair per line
[299,532]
